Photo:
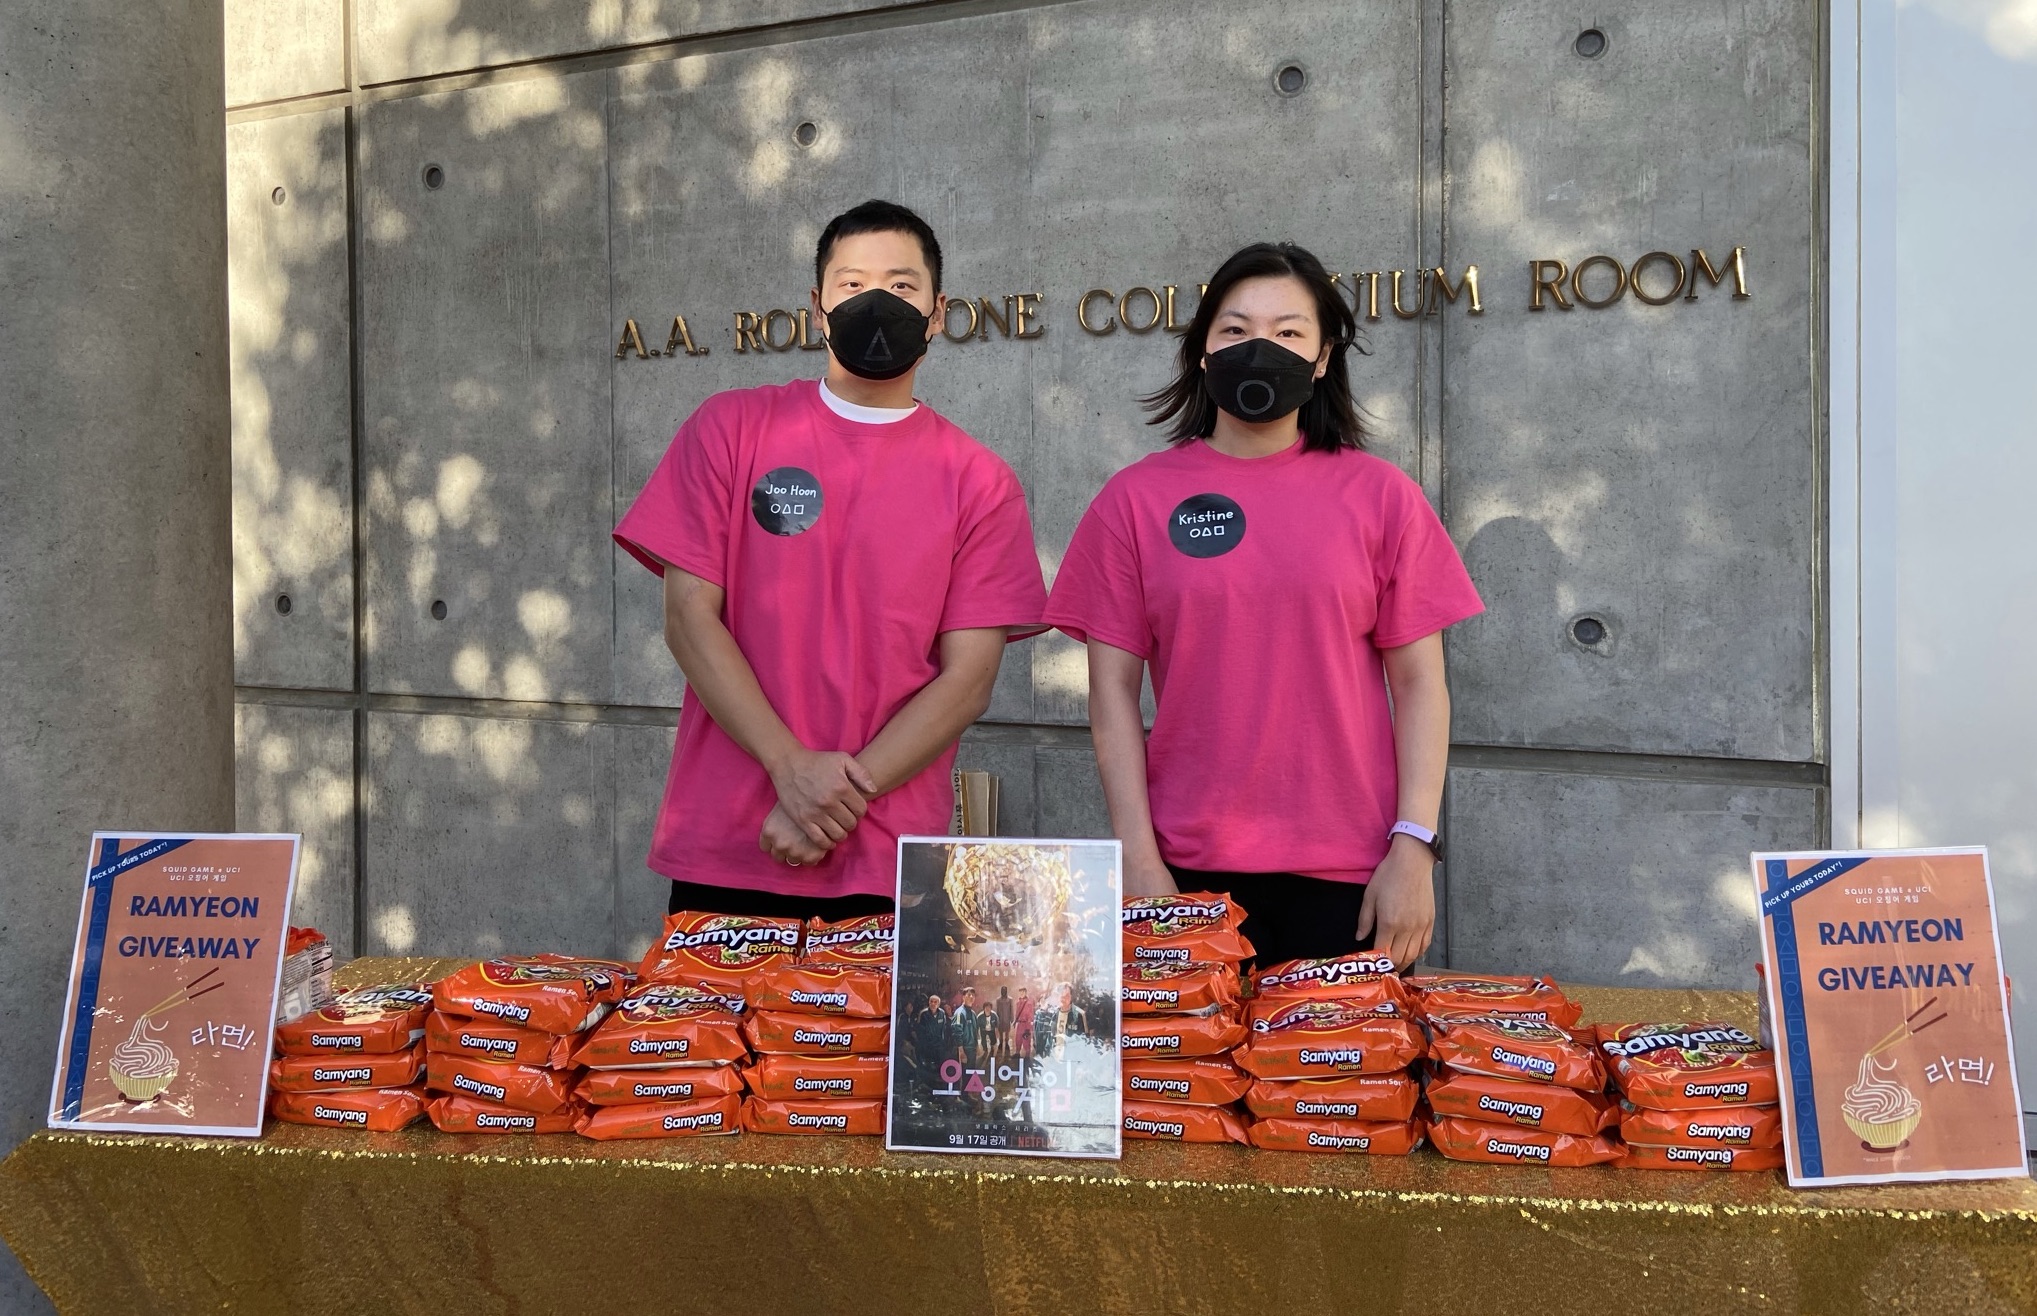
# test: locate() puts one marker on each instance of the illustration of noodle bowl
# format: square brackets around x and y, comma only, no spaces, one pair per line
[141,1067]
[1881,1110]
[1008,892]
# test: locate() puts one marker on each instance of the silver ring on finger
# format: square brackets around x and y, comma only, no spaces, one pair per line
[792,863]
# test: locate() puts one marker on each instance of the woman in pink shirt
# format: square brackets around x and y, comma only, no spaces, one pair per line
[1279,581]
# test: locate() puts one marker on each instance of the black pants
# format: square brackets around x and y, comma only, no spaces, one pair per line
[1287,916]
[704,899]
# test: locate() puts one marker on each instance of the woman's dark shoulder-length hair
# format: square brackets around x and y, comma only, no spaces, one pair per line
[1329,419]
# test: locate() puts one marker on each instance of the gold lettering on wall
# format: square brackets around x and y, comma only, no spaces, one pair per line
[948,320]
[682,335]
[1439,282]
[1020,311]
[1544,281]
[1596,282]
[1125,311]
[1736,261]
[1082,312]
[1577,282]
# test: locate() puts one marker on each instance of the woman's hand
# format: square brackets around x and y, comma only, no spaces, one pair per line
[784,840]
[1400,902]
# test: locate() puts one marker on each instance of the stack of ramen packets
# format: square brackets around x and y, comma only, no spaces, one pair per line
[822,1031]
[1331,1046]
[354,1063]
[668,1063]
[1511,1083]
[1180,1017]
[499,1047]
[1694,1096]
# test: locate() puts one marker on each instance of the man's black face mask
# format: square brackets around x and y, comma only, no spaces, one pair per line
[877,334]
[1259,380]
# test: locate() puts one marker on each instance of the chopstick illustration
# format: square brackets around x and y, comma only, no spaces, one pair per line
[1908,1028]
[183,995]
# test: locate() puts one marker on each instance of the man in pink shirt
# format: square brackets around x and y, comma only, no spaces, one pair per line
[843,568]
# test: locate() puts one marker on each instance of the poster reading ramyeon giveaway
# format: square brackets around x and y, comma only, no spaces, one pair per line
[1004,1013]
[1891,1018]
[172,1002]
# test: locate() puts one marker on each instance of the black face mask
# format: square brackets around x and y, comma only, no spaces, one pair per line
[877,334]
[1259,380]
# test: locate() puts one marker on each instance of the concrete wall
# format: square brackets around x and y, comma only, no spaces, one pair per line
[445,435]
[115,657]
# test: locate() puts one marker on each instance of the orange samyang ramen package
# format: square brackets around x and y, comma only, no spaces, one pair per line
[1368,1137]
[522,1087]
[1365,977]
[663,1119]
[1202,1082]
[1515,1048]
[1317,1039]
[1646,1156]
[667,1024]
[810,1035]
[801,987]
[1507,1144]
[1514,997]
[850,1118]
[1530,1105]
[815,1078]
[1689,1066]
[378,1110]
[1190,927]
[376,1020]
[866,942]
[636,1087]
[1174,1036]
[1387,1098]
[548,993]
[1746,1126]
[458,1114]
[484,1039]
[1161,987]
[331,1073]
[1173,1122]
[721,951]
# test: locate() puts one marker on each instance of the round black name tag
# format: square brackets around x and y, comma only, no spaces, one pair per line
[1207,525]
[786,501]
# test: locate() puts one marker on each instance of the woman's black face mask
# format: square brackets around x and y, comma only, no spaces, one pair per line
[1258,380]
[877,334]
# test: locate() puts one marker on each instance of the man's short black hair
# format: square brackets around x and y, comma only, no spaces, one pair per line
[876,217]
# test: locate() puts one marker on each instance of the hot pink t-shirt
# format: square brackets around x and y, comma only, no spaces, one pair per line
[845,550]
[1261,592]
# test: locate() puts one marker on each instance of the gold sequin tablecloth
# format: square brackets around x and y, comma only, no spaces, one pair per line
[329,1221]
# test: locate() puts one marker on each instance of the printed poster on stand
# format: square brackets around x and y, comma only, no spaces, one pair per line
[1884,989]
[171,1008]
[1004,1013]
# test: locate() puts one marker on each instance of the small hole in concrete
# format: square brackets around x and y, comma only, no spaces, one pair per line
[434,177]
[283,604]
[438,609]
[1588,631]
[807,133]
[279,196]
[1591,43]
[1290,79]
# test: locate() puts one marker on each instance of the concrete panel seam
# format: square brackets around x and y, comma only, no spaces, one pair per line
[1660,767]
[287,106]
